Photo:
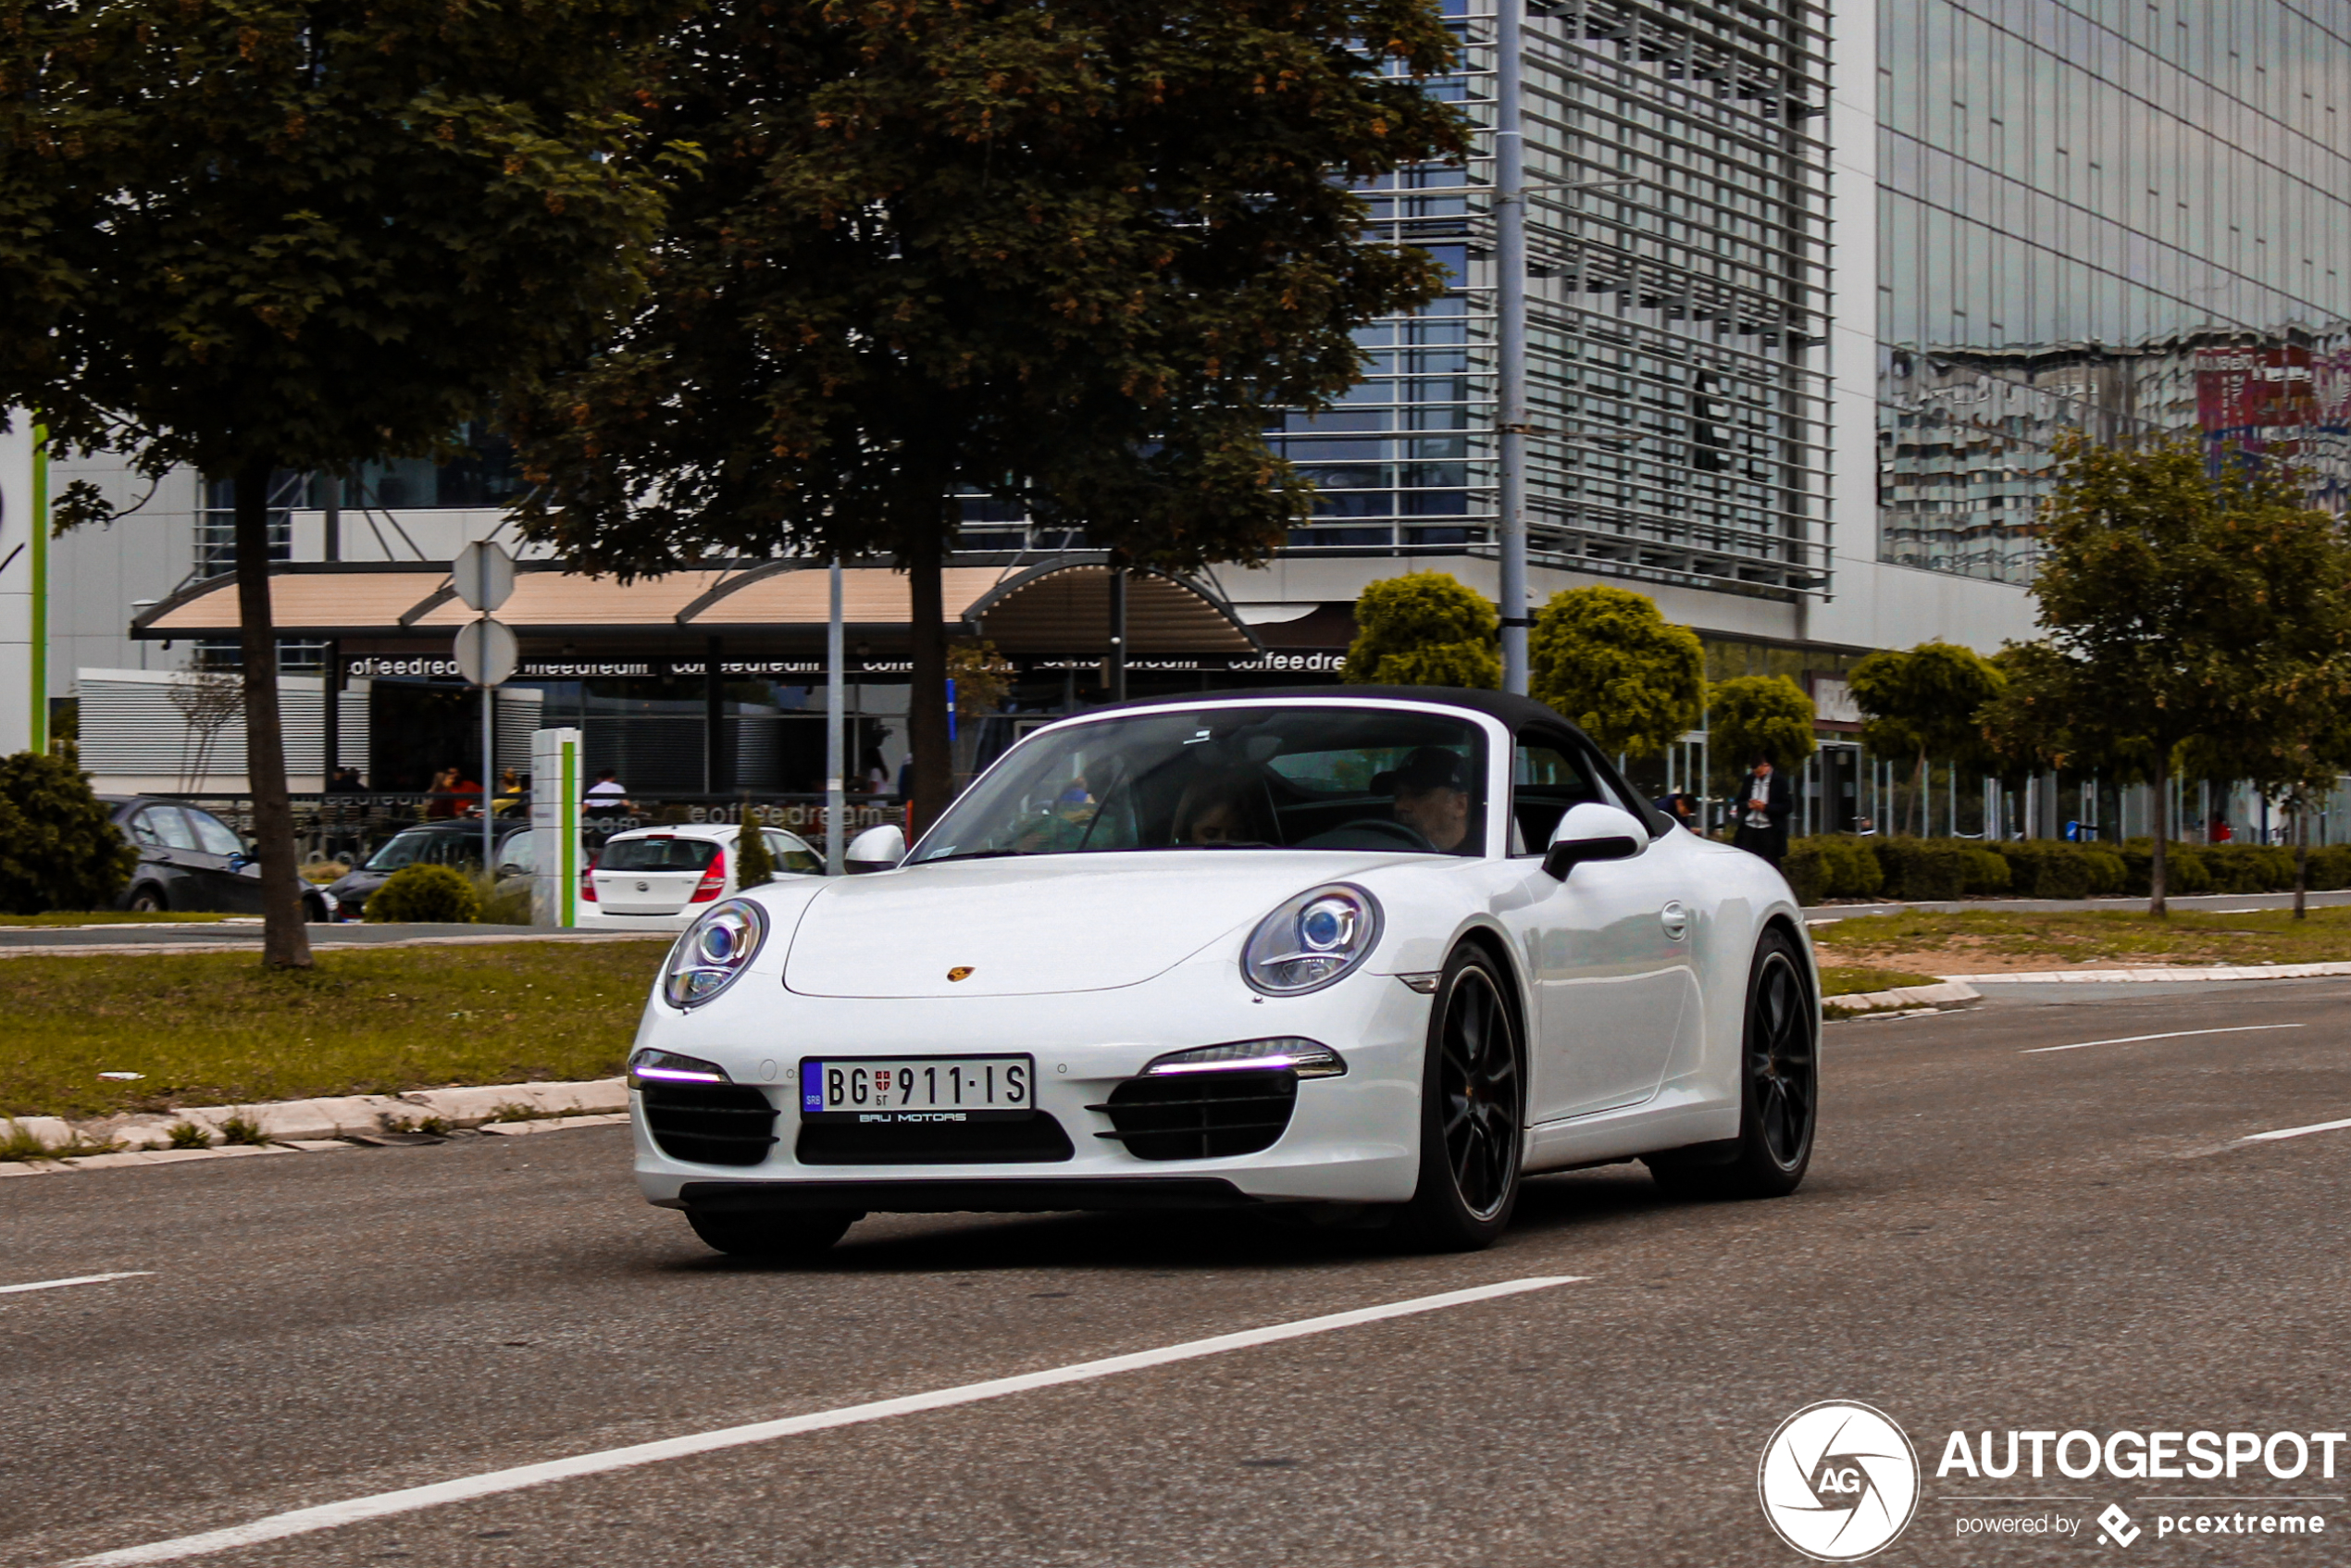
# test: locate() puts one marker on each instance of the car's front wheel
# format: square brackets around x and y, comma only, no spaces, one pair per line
[1779,1090]
[784,1235]
[1472,1112]
[147,898]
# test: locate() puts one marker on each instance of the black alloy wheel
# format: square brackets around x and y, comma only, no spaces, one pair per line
[1779,1090]
[1472,1112]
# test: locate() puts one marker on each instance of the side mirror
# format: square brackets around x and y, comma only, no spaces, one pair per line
[876,849]
[238,862]
[1593,831]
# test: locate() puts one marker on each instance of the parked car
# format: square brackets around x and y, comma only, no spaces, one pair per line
[455,843]
[662,878]
[189,859]
[1384,948]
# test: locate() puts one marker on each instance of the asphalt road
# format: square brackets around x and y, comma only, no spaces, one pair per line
[1991,1240]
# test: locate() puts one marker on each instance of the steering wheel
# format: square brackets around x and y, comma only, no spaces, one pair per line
[1402,835]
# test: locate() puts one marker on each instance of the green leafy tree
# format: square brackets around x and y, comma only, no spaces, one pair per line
[2187,601]
[1078,256]
[1925,701]
[59,848]
[1759,716]
[282,234]
[1608,659]
[755,867]
[1425,629]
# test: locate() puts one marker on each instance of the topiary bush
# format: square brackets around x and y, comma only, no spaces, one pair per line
[2248,869]
[755,867]
[1425,629]
[2330,867]
[59,848]
[1832,865]
[439,894]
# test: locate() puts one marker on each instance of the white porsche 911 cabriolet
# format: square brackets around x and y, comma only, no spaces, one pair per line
[1389,948]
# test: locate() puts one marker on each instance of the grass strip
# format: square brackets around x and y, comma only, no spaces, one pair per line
[1848,979]
[1993,939]
[218,1029]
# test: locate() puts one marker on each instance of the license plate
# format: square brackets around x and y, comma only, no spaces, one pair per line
[917,1089]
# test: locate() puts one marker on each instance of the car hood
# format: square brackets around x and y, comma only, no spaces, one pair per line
[1040,923]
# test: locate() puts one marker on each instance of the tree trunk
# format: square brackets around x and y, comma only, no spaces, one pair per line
[932,782]
[2162,830]
[285,941]
[2301,858]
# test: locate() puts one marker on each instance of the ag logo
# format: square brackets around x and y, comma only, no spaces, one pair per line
[1838,1481]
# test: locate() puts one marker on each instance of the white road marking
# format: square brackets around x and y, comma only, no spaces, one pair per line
[328,1516]
[2176,1033]
[77,1279]
[2293,1132]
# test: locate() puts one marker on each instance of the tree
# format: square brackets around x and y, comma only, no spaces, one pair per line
[1606,658]
[1925,701]
[2186,599]
[1425,629]
[279,234]
[1759,716]
[1078,256]
[755,867]
[59,848]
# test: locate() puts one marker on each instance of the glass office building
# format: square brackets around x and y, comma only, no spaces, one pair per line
[2120,215]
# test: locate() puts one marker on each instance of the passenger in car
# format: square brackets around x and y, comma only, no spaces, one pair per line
[1432,797]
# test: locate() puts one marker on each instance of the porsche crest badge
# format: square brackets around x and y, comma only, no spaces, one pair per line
[961,972]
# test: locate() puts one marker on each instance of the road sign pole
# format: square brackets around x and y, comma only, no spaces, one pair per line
[836,796]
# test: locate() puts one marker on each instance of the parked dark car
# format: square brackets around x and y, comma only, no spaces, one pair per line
[455,843]
[189,859]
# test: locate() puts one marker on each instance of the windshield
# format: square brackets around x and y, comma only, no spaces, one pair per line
[1320,778]
[428,846]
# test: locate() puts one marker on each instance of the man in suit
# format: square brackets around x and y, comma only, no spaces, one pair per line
[1761,808]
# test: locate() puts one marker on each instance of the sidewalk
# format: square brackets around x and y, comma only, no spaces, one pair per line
[2230,903]
[245,936]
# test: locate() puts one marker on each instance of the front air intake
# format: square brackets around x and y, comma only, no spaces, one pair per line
[1201,1115]
[710,1124]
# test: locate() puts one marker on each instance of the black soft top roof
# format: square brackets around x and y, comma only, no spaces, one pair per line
[1511,709]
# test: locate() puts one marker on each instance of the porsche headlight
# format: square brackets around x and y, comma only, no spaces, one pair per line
[713,952]
[1313,940]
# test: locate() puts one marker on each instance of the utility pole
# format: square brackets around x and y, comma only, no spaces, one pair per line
[1510,310]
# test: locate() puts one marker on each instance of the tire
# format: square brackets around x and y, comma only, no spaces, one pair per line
[1779,1089]
[314,910]
[1472,1112]
[786,1235]
[147,898]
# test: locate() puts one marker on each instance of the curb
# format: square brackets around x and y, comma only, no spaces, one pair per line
[315,1126]
[1950,993]
[2161,972]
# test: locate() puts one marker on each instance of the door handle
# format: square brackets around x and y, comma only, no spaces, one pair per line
[1675,918]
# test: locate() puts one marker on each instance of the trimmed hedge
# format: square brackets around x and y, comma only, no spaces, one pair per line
[439,894]
[1843,866]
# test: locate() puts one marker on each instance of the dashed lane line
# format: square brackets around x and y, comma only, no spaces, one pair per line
[2175,1034]
[328,1516]
[77,1279]
[2293,1132]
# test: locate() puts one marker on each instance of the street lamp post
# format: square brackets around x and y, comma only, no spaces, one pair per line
[1510,289]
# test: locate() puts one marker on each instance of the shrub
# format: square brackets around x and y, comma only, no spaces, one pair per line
[59,848]
[2248,869]
[1832,865]
[2330,867]
[438,893]
[755,867]
[2105,870]
[1980,870]
[2185,863]
[1425,629]
[508,905]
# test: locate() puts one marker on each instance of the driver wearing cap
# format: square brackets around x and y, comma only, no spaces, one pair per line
[1432,796]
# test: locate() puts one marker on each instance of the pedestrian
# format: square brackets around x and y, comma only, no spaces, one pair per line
[1680,806]
[1763,806]
[605,794]
[443,793]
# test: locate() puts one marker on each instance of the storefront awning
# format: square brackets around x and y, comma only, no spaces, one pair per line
[1056,606]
